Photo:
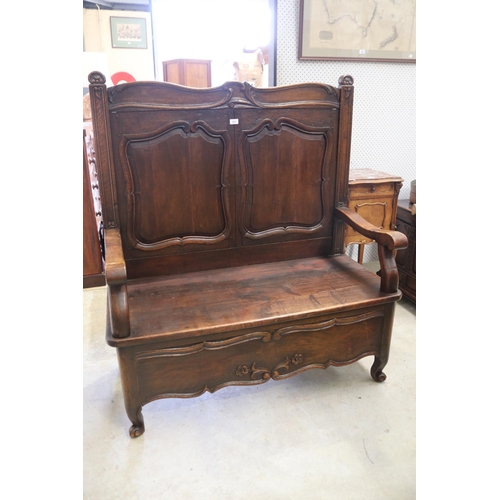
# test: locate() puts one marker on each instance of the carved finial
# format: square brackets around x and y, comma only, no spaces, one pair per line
[346,80]
[97,77]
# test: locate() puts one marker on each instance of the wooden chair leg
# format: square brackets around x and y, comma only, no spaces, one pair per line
[382,357]
[361,251]
[131,394]
[376,371]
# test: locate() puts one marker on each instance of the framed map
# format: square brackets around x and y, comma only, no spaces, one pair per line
[128,33]
[358,30]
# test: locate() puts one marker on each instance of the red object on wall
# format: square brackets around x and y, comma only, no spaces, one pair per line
[122,76]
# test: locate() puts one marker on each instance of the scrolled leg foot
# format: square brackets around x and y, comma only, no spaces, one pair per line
[137,428]
[376,371]
[136,431]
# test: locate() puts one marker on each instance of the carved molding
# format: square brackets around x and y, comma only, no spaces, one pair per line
[347,92]
[103,155]
[346,80]
[98,92]
[114,92]
[264,373]
[346,83]
[382,204]
[263,336]
[324,325]
[204,346]
[230,94]
[187,129]
[252,94]
[97,78]
[275,127]
[261,375]
[281,230]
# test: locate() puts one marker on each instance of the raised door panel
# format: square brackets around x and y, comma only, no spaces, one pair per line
[376,211]
[286,177]
[185,180]
[184,166]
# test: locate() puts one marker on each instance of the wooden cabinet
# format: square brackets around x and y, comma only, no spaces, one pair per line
[374,196]
[406,222]
[189,72]
[93,273]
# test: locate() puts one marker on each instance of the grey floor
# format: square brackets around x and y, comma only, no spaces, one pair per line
[324,434]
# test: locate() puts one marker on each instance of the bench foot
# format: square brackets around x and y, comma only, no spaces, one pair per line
[131,390]
[376,371]
[137,429]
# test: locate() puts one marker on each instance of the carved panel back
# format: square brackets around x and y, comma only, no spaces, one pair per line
[287,168]
[174,181]
[206,178]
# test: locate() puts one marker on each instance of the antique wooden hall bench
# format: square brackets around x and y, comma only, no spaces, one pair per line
[224,215]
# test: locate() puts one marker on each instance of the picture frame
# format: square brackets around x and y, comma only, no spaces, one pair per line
[128,33]
[358,30]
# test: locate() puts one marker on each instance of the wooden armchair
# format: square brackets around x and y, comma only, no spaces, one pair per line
[224,212]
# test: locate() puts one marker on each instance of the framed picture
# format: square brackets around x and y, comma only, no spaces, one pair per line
[128,33]
[358,30]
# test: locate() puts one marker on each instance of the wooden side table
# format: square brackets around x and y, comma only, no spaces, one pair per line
[406,222]
[189,72]
[374,195]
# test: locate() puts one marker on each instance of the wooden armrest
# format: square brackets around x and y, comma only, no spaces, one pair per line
[116,278]
[388,242]
[393,240]
[115,269]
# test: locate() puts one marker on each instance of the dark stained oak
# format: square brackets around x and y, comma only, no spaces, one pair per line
[247,296]
[224,214]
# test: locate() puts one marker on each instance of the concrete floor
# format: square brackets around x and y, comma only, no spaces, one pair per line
[323,434]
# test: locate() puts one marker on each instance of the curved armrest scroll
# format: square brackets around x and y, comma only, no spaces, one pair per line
[388,242]
[393,240]
[116,279]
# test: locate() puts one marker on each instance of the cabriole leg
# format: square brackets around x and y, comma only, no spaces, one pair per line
[376,372]
[137,428]
[131,392]
[382,358]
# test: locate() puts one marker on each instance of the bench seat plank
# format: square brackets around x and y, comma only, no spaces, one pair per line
[198,303]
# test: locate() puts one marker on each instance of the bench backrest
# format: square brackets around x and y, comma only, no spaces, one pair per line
[205,178]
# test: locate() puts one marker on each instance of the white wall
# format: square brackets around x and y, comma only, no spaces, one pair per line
[97,38]
[384,116]
[215,30]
